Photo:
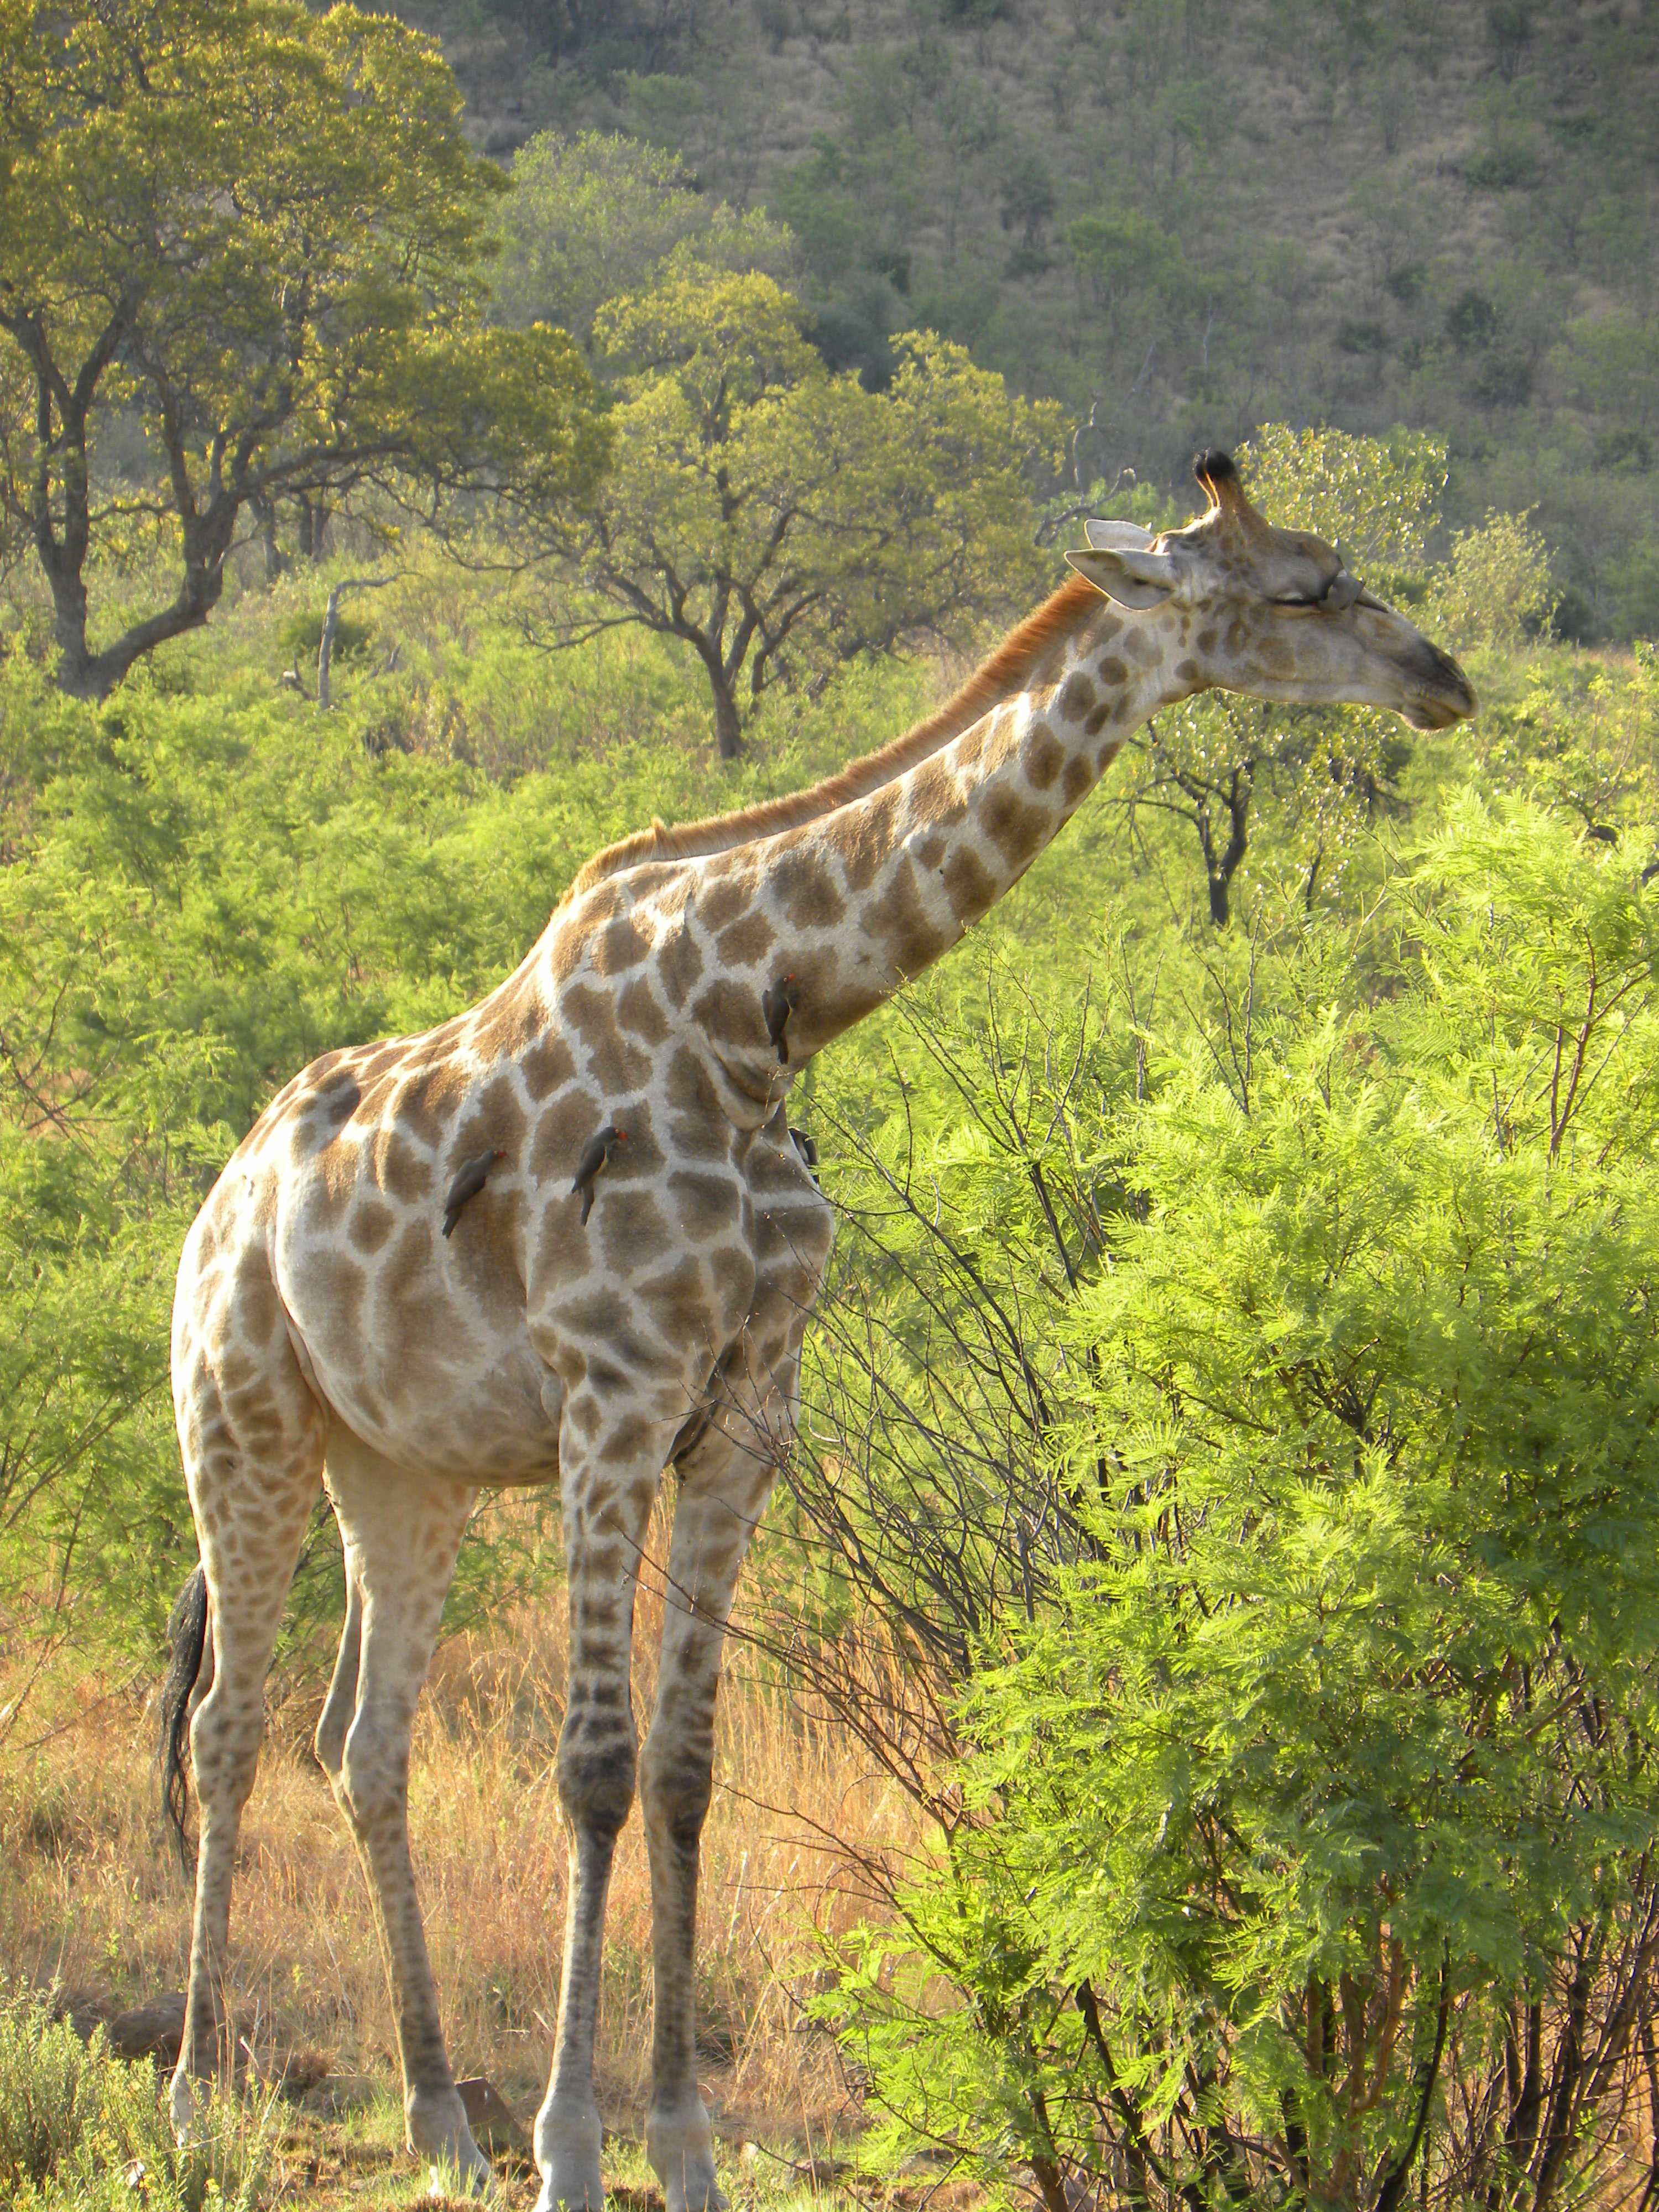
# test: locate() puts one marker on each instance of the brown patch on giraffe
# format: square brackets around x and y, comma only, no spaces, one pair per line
[680,963]
[1044,753]
[1075,782]
[335,1286]
[1186,671]
[1206,638]
[640,1014]
[902,920]
[1113,672]
[733,1273]
[370,1222]
[620,945]
[616,1066]
[931,851]
[803,887]
[420,1315]
[704,1206]
[631,1222]
[1013,828]
[548,1065]
[934,796]
[401,1171]
[676,1300]
[723,896]
[606,1315]
[968,747]
[1077,695]
[867,837]
[563,1252]
[698,1128]
[561,1132]
[968,883]
[426,1103]
[494,1118]
[729,1012]
[746,941]
[508,1019]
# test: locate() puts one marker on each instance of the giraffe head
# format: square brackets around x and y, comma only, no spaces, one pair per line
[1274,613]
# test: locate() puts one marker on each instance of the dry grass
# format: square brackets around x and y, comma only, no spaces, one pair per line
[89,1896]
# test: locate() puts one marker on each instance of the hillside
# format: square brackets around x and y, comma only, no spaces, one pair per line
[1182,220]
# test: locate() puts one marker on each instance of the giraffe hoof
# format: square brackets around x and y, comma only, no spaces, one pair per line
[567,2145]
[434,2120]
[680,2145]
[569,2186]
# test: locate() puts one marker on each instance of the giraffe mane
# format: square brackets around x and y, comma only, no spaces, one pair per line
[991,681]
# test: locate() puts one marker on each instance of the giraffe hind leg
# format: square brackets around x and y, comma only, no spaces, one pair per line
[724,1479]
[252,1437]
[402,1534]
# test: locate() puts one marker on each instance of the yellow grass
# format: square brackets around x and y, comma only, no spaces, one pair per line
[91,1897]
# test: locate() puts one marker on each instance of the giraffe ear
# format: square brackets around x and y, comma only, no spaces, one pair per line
[1130,578]
[1118,537]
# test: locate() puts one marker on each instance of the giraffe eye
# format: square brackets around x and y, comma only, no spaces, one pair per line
[1295,599]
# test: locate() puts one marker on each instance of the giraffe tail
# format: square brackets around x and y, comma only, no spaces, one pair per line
[190,1640]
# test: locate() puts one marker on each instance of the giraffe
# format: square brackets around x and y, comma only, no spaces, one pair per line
[325,1331]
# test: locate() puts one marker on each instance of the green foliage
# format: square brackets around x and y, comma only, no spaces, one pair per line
[779,519]
[81,2131]
[1328,1754]
[251,241]
[1497,590]
[595,216]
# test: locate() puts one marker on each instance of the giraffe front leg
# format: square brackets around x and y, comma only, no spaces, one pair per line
[609,1472]
[725,1481]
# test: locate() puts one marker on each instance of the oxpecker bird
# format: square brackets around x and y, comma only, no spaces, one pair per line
[778,1001]
[594,1159]
[467,1184]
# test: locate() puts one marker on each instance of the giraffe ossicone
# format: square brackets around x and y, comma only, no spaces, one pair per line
[323,1332]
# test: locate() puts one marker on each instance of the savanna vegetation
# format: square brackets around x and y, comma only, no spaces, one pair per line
[1191,1736]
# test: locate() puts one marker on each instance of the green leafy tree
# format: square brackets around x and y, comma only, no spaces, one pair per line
[1496,587]
[1304,1853]
[777,519]
[256,235]
[592,217]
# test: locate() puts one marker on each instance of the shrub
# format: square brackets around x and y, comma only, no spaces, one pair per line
[80,2131]
[1496,588]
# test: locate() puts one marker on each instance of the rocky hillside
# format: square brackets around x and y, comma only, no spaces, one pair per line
[1184,217]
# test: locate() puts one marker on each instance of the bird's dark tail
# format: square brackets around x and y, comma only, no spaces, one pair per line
[189,1638]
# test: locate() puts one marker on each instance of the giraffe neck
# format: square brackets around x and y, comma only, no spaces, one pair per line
[881,888]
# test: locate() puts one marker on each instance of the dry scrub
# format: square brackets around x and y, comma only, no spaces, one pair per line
[90,1897]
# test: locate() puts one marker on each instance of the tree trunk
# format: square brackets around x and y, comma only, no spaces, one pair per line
[83,674]
[728,730]
[331,628]
[264,510]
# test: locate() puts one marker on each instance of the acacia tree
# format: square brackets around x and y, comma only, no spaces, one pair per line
[255,237]
[777,518]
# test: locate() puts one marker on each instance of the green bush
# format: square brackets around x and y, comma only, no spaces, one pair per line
[81,2131]
[1304,1835]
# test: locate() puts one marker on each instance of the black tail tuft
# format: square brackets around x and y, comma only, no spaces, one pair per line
[187,1634]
